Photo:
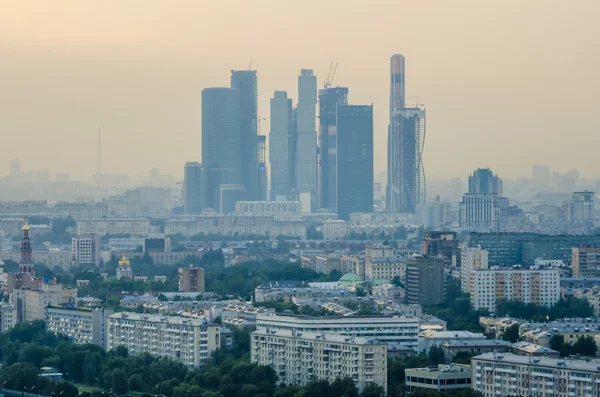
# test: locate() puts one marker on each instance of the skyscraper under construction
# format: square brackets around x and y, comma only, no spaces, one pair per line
[406,187]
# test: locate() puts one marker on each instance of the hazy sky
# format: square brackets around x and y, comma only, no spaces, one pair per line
[507,84]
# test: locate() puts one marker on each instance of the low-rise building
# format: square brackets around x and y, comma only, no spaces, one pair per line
[336,229]
[541,333]
[511,374]
[474,347]
[432,338]
[532,349]
[190,341]
[299,358]
[114,225]
[80,325]
[441,377]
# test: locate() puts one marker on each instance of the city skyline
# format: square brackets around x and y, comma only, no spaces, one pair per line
[139,81]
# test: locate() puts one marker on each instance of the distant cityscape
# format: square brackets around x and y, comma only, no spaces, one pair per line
[287,253]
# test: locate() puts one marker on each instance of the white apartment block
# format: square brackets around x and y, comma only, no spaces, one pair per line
[125,243]
[190,341]
[267,207]
[32,304]
[385,268]
[8,317]
[505,374]
[85,250]
[236,224]
[79,325]
[472,258]
[336,229]
[114,225]
[541,287]
[299,358]
[387,329]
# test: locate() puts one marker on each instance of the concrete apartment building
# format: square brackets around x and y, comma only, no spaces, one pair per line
[85,250]
[382,262]
[31,304]
[80,325]
[472,259]
[425,284]
[387,329]
[336,229]
[300,358]
[541,287]
[441,378]
[190,341]
[114,225]
[586,261]
[191,279]
[517,375]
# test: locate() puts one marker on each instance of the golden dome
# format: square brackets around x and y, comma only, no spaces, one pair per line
[123,261]
[26,227]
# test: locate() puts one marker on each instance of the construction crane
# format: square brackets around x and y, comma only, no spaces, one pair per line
[330,75]
[250,66]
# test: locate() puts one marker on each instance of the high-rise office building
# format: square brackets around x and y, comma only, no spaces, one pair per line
[192,188]
[354,159]
[406,138]
[329,99]
[483,207]
[262,168]
[582,209]
[280,146]
[221,142]
[246,82]
[483,181]
[306,138]
[425,280]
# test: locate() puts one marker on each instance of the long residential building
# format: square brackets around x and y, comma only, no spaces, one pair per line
[80,325]
[240,225]
[519,375]
[388,329]
[541,287]
[524,248]
[300,358]
[114,225]
[190,341]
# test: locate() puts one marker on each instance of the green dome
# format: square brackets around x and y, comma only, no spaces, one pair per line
[350,278]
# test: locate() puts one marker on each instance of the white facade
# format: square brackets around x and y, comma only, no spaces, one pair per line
[114,225]
[299,358]
[267,207]
[124,269]
[190,341]
[236,224]
[507,374]
[8,316]
[387,329]
[472,258]
[34,303]
[541,287]
[336,229]
[79,325]
[85,250]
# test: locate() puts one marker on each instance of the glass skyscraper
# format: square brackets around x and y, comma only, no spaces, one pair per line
[280,146]
[193,201]
[221,142]
[354,159]
[306,137]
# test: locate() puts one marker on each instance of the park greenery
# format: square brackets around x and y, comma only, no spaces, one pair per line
[565,308]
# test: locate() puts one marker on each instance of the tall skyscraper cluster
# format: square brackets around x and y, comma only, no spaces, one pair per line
[329,168]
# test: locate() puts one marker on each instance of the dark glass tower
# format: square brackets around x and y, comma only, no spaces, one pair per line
[193,202]
[245,81]
[329,98]
[483,180]
[354,159]
[280,146]
[221,142]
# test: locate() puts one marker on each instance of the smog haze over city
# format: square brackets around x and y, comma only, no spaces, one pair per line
[506,84]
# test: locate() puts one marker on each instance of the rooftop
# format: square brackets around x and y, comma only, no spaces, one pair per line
[532,348]
[592,365]
[477,343]
[328,336]
[153,318]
